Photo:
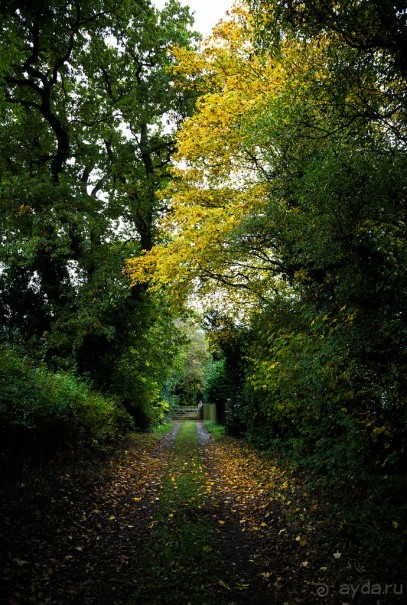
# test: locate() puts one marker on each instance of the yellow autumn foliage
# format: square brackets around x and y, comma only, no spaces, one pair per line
[218,181]
[215,185]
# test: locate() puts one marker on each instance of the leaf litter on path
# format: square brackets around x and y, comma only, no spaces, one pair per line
[209,523]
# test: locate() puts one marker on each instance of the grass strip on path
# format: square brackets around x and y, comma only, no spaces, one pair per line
[181,557]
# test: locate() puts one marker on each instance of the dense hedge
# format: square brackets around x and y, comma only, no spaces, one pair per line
[42,412]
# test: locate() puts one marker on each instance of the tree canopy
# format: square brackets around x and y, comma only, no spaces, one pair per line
[89,107]
[288,200]
[259,175]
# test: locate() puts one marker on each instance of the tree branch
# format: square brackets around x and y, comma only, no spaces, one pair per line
[101,183]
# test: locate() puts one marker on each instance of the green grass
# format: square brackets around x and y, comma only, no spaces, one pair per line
[216,430]
[162,429]
[181,555]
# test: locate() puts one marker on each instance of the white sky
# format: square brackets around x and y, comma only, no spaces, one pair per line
[206,12]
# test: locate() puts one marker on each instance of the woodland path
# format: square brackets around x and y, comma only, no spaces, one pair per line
[179,518]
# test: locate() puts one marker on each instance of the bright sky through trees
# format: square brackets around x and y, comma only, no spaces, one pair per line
[206,12]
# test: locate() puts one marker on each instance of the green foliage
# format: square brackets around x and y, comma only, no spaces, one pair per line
[162,429]
[216,430]
[78,190]
[188,379]
[217,387]
[43,412]
[226,376]
[141,375]
[366,26]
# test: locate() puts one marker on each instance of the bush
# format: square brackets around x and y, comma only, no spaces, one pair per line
[43,412]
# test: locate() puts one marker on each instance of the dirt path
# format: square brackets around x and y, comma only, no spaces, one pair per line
[260,566]
[177,520]
[73,534]
[198,552]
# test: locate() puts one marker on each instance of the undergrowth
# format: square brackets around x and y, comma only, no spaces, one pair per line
[216,430]
[43,412]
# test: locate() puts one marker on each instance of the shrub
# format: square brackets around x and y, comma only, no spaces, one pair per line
[43,412]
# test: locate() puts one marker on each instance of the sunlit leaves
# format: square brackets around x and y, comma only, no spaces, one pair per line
[216,185]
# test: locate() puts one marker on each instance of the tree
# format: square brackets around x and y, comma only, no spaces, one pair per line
[289,199]
[365,26]
[207,206]
[89,108]
[195,357]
